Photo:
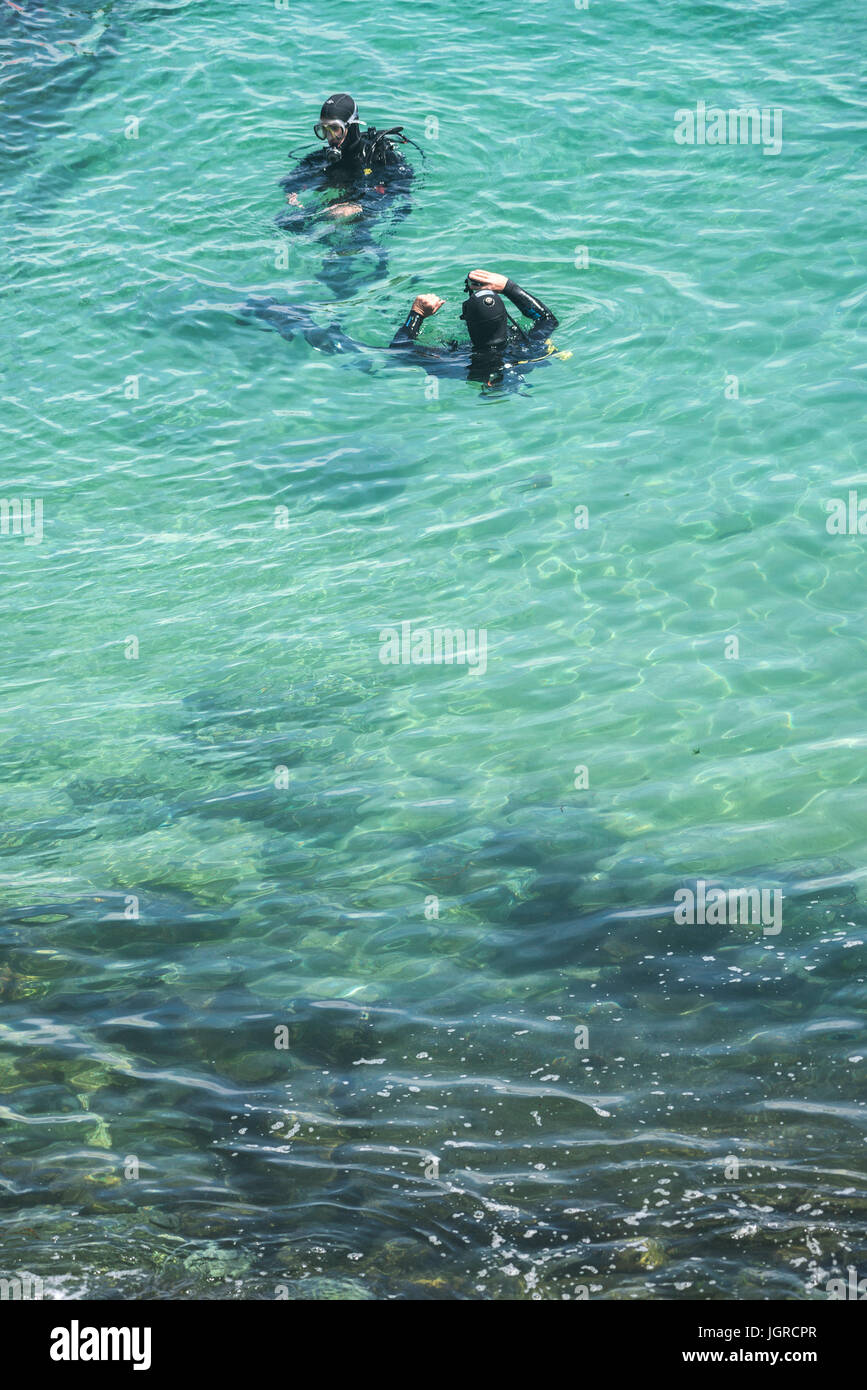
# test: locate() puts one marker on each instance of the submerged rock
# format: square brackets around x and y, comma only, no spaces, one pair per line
[316,1287]
[214,1262]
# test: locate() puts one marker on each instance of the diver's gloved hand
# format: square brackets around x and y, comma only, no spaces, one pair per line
[488,280]
[426,304]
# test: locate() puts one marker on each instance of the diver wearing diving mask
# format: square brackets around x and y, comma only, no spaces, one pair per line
[498,351]
[350,154]
[338,125]
[497,342]
[354,177]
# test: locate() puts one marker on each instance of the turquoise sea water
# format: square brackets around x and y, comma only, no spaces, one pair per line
[433,1126]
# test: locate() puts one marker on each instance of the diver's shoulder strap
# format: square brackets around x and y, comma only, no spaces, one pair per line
[378,142]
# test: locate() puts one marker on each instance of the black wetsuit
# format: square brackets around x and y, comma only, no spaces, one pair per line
[492,366]
[373,172]
[502,368]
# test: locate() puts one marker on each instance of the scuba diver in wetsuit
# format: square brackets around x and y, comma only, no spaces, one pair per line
[496,355]
[370,175]
[498,346]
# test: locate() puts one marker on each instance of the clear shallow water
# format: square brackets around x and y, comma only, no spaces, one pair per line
[411,1039]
